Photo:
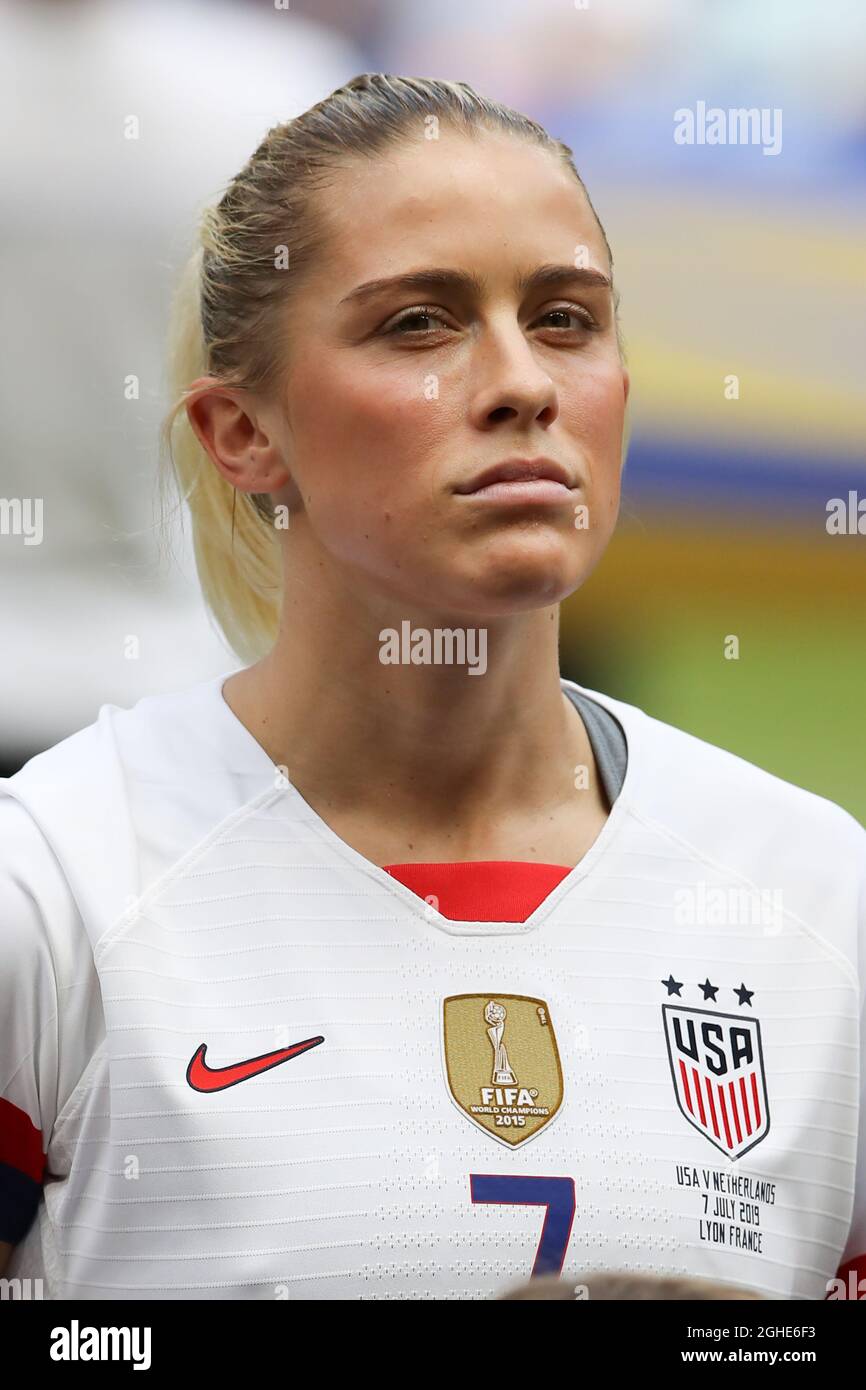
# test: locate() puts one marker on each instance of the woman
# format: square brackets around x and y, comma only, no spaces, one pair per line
[440,913]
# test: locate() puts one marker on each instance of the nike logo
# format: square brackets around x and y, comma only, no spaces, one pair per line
[204,1078]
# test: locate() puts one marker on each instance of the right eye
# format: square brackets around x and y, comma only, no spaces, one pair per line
[421,312]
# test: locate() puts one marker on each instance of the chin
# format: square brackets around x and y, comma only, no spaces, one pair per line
[529,574]
[501,590]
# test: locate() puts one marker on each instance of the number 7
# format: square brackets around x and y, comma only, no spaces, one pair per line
[556,1194]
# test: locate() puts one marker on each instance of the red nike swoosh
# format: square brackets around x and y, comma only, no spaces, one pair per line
[204,1078]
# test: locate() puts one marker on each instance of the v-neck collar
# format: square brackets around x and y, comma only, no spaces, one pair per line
[250,754]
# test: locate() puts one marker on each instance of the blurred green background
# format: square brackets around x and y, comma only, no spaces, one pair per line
[651,624]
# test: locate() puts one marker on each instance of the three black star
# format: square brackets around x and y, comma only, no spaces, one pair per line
[710,991]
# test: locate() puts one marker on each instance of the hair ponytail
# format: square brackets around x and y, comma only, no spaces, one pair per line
[237,557]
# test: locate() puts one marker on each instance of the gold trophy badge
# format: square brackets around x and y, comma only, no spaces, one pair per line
[518,1090]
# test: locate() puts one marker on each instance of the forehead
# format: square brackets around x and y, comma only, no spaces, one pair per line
[490,201]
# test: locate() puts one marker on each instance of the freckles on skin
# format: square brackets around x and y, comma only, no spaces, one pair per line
[372,451]
[595,420]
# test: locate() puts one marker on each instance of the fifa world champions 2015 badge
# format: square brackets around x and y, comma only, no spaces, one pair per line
[502,1063]
[717,1066]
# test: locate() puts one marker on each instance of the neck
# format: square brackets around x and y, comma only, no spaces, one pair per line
[428,740]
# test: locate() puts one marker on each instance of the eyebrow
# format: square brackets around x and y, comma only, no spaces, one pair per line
[461,280]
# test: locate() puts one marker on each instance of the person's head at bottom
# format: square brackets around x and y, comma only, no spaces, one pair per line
[616,1288]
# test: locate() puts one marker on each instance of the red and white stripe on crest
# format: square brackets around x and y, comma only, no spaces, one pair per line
[732,1111]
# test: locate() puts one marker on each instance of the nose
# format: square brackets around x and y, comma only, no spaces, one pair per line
[514,387]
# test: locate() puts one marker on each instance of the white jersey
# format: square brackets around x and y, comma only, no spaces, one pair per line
[239,1060]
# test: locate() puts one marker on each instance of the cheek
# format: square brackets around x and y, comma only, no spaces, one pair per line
[361,432]
[594,413]
[368,451]
[334,415]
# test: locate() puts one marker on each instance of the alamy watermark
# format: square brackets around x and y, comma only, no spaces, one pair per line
[846,517]
[738,125]
[21,1290]
[22,516]
[77,1343]
[440,646]
[705,905]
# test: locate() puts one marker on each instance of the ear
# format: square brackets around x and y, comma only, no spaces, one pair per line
[228,428]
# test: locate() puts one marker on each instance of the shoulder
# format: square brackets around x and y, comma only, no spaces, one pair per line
[119,801]
[68,808]
[699,788]
[159,731]
[738,820]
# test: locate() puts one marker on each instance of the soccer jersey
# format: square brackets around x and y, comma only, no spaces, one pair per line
[239,1060]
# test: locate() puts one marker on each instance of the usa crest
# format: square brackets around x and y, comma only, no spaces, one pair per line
[717,1066]
[502,1063]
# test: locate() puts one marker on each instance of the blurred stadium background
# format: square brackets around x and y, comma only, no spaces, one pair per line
[729,262]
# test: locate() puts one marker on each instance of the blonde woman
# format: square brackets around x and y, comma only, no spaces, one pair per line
[391,964]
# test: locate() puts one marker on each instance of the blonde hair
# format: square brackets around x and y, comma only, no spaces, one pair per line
[229,309]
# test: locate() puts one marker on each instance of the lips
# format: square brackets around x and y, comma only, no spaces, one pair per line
[518,470]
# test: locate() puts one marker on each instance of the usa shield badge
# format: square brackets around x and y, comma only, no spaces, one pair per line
[717,1065]
[502,1063]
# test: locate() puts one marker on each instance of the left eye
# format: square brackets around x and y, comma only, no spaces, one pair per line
[583,318]
[414,314]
